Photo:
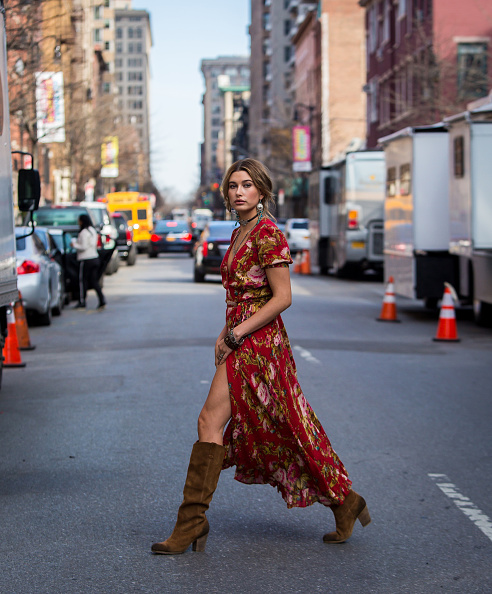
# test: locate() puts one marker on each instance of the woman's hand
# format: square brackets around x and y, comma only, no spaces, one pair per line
[222,351]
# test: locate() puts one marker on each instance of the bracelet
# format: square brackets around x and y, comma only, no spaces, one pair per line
[231,342]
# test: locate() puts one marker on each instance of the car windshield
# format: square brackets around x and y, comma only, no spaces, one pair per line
[99,215]
[299,225]
[222,229]
[164,227]
[51,217]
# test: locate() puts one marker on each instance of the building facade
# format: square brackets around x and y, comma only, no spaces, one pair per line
[426,59]
[133,41]
[220,74]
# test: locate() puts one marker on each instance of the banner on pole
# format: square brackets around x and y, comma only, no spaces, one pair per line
[109,157]
[50,107]
[301,148]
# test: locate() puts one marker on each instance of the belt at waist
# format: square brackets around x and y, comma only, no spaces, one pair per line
[236,303]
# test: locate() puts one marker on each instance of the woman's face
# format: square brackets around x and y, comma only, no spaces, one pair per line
[243,194]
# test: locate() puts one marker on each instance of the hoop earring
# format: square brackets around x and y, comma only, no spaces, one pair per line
[259,210]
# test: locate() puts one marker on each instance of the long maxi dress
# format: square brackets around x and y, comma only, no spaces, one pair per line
[274,436]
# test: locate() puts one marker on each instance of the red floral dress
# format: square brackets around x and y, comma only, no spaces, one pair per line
[274,436]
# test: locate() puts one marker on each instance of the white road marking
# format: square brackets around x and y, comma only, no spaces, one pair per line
[305,354]
[463,503]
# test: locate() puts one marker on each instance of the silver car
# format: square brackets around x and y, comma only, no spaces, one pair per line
[39,277]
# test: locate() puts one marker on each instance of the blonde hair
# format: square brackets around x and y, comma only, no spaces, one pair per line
[261,178]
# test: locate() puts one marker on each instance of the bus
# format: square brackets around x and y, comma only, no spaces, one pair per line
[137,209]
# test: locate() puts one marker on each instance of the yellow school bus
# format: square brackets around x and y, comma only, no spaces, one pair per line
[137,209]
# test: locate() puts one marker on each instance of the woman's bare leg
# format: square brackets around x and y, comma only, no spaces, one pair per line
[216,411]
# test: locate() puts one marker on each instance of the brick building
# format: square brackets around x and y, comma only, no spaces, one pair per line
[426,59]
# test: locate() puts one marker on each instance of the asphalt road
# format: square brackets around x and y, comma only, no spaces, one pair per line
[96,431]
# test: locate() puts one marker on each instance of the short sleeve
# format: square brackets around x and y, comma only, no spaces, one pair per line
[273,249]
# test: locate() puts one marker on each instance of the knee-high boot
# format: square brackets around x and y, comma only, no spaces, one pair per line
[353,508]
[201,481]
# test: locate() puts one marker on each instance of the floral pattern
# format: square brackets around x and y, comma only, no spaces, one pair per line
[274,436]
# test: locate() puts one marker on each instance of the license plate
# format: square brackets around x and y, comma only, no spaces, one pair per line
[170,238]
[358,245]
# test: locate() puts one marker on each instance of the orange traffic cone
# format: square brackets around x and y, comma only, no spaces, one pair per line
[297,263]
[305,262]
[388,310]
[21,326]
[11,352]
[446,329]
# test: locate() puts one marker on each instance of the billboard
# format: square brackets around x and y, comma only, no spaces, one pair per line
[109,157]
[50,107]
[301,148]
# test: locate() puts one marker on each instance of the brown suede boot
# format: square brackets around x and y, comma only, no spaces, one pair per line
[353,508]
[201,481]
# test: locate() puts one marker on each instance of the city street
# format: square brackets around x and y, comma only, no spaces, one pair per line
[96,432]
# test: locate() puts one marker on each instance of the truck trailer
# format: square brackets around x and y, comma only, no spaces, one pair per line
[416,213]
[470,206]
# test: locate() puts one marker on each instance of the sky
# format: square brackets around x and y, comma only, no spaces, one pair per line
[183,33]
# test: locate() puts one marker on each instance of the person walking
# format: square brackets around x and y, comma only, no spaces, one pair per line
[256,417]
[89,265]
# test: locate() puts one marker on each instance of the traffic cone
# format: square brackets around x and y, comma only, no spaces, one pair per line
[297,263]
[21,326]
[305,263]
[11,352]
[446,328]
[388,310]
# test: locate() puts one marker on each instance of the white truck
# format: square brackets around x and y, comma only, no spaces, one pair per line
[27,198]
[345,212]
[470,205]
[416,212]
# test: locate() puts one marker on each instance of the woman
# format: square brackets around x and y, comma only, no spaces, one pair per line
[272,434]
[86,246]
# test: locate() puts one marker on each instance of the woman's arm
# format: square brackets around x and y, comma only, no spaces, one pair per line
[279,281]
[82,241]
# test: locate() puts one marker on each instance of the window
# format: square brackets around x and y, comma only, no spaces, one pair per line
[373,100]
[402,8]
[119,48]
[106,88]
[138,33]
[266,21]
[107,24]
[391,182]
[130,48]
[135,76]
[106,3]
[373,27]
[119,33]
[135,104]
[120,90]
[472,70]
[119,76]
[107,45]
[215,121]
[130,33]
[97,35]
[118,63]
[135,90]
[215,134]
[138,48]
[287,53]
[405,180]
[287,25]
[97,12]
[459,156]
[386,20]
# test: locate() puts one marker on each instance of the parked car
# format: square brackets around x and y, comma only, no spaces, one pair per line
[65,216]
[39,277]
[211,248]
[199,218]
[170,236]
[125,245]
[297,235]
[66,256]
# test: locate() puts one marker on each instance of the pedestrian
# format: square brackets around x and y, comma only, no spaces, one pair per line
[272,436]
[88,259]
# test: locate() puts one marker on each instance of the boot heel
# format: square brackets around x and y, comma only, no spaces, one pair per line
[199,543]
[364,517]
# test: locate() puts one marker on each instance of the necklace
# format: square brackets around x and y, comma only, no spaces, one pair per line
[236,248]
[244,223]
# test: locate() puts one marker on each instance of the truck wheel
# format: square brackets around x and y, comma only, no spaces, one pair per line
[483,313]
